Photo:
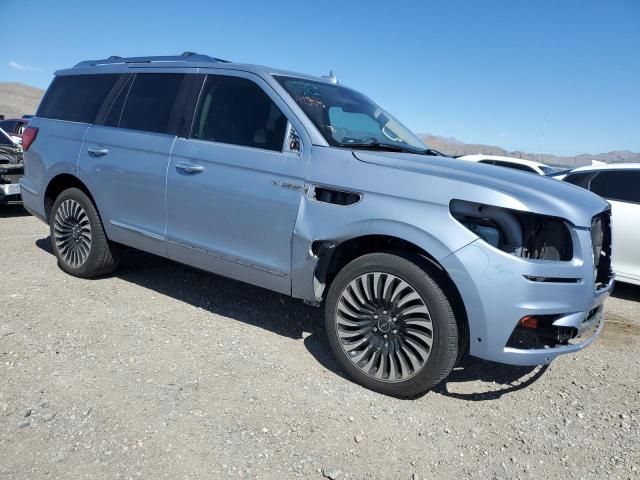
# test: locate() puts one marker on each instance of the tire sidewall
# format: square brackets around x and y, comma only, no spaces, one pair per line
[96,230]
[441,314]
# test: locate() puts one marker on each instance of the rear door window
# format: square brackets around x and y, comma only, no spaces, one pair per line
[237,111]
[618,185]
[76,98]
[150,102]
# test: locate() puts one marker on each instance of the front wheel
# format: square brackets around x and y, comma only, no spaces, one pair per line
[78,238]
[390,325]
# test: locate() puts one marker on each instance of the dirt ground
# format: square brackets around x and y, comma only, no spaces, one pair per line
[163,371]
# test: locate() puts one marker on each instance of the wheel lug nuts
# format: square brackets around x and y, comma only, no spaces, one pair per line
[375,329]
[386,336]
[375,317]
[385,312]
[394,319]
[395,331]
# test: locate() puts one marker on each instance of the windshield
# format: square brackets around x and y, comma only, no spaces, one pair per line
[346,117]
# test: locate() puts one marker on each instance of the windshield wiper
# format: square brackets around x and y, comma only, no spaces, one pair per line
[390,147]
[435,153]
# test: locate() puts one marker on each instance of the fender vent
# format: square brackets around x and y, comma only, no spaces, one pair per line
[336,197]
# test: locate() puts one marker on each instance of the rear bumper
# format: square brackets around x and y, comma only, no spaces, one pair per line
[31,200]
[9,192]
[498,290]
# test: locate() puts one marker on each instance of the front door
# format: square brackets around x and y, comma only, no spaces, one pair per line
[235,186]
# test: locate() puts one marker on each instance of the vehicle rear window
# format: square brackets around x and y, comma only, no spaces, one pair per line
[76,98]
[617,185]
[150,101]
[515,166]
[9,126]
[237,111]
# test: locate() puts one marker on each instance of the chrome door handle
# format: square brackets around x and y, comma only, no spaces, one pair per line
[97,151]
[189,167]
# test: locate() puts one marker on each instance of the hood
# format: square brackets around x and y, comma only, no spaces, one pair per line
[536,193]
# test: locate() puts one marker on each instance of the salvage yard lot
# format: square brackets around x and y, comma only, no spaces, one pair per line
[162,371]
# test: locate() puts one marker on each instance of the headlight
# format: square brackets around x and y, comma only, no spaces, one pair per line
[521,234]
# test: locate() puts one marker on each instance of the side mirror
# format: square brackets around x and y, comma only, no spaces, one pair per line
[292,142]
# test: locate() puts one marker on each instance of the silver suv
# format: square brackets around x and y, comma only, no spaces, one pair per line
[308,188]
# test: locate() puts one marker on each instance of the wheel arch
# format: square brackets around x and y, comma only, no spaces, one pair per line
[57,185]
[334,255]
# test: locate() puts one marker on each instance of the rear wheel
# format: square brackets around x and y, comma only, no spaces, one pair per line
[78,238]
[391,325]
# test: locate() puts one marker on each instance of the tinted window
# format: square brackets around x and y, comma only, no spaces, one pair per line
[515,166]
[488,162]
[9,126]
[114,111]
[150,101]
[5,139]
[76,98]
[237,111]
[617,185]
[580,179]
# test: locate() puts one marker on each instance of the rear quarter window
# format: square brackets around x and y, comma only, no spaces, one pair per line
[76,98]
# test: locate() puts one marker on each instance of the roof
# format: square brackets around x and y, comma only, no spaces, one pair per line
[186,60]
[608,166]
[522,161]
[187,57]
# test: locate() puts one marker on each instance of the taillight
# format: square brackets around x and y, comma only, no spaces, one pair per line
[28,136]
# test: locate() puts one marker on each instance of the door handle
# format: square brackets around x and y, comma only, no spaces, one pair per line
[97,151]
[189,167]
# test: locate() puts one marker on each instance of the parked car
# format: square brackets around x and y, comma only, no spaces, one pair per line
[306,187]
[619,183]
[14,127]
[11,168]
[510,162]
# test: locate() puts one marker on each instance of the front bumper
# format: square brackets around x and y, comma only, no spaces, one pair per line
[499,289]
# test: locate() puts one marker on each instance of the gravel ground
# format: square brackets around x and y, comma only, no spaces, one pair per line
[162,371]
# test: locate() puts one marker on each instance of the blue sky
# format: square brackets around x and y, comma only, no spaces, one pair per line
[543,76]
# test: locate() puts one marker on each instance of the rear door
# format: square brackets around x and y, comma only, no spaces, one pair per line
[234,187]
[124,157]
[622,189]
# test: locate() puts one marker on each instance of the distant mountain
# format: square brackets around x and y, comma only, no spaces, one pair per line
[17,99]
[453,146]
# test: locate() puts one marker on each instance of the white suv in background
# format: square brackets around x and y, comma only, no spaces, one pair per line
[510,162]
[620,184]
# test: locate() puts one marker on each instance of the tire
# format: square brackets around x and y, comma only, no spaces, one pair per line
[386,309]
[78,238]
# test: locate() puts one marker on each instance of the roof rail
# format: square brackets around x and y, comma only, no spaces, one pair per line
[183,57]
